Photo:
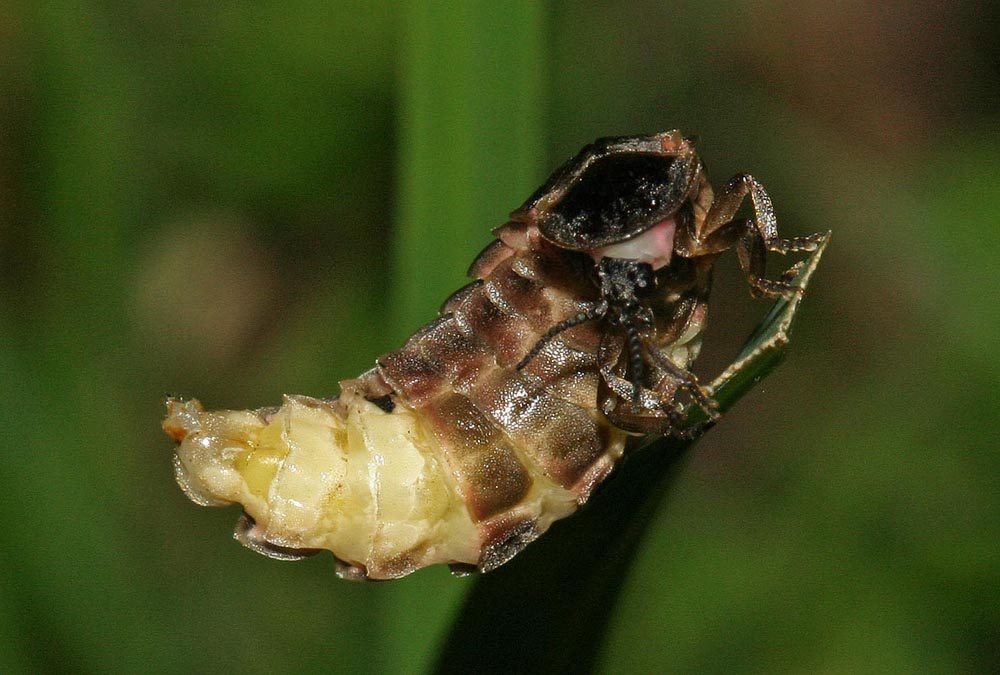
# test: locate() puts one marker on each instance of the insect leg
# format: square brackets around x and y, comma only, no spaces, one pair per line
[686,380]
[625,390]
[753,237]
[655,413]
[727,203]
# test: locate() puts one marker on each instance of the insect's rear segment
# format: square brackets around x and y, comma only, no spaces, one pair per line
[310,477]
[505,413]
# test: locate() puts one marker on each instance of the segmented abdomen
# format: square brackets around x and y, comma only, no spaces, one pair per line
[525,447]
[445,452]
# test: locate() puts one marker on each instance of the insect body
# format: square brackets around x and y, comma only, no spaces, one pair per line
[504,413]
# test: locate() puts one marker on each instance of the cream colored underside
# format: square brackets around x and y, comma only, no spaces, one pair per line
[370,487]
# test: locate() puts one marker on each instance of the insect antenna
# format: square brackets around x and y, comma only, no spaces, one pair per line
[595,312]
[636,367]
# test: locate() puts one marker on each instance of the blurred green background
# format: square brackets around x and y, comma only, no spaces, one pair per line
[237,200]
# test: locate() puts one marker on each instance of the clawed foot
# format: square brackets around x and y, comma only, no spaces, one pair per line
[656,412]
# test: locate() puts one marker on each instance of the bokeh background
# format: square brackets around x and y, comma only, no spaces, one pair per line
[237,200]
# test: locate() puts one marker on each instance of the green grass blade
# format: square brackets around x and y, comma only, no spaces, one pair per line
[470,151]
[470,140]
[765,348]
[547,610]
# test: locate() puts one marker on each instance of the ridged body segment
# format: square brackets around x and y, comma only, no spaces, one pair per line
[512,437]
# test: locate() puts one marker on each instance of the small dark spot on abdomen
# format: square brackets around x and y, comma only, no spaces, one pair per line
[385,403]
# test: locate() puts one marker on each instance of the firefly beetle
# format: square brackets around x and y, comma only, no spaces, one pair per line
[505,412]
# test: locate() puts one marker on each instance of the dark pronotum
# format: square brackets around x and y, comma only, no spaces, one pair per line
[504,413]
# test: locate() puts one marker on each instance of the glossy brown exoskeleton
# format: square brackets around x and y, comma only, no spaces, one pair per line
[504,413]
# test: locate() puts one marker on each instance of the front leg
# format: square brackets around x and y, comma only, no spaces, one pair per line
[655,403]
[659,410]
[753,237]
